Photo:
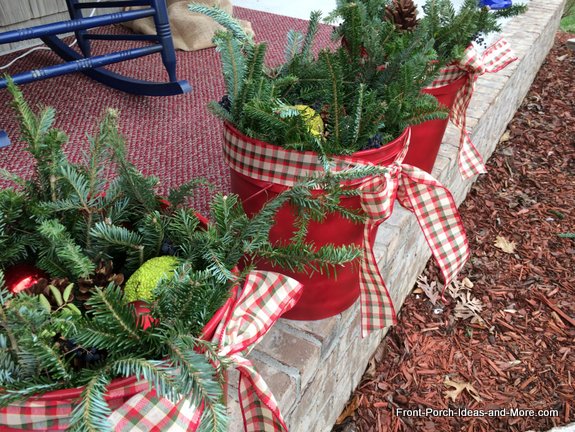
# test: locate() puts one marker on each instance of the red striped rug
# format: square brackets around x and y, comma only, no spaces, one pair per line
[174,138]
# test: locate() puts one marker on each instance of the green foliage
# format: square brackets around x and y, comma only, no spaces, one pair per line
[568,20]
[453,30]
[357,99]
[71,220]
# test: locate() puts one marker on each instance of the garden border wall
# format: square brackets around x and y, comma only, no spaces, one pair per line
[312,367]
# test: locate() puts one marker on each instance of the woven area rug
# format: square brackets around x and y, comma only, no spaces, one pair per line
[174,138]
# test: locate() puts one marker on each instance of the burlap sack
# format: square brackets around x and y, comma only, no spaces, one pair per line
[190,31]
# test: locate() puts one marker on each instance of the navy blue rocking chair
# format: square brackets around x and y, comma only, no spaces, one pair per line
[93,66]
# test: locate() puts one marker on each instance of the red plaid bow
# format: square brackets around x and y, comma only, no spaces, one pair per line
[266,296]
[493,59]
[437,215]
[416,190]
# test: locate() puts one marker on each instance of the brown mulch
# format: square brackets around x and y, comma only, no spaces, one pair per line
[523,353]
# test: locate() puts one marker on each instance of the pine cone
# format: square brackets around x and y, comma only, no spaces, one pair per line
[103,275]
[403,13]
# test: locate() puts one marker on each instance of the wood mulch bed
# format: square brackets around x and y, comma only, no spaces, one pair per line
[520,352]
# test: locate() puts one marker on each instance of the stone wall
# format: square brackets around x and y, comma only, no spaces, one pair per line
[312,367]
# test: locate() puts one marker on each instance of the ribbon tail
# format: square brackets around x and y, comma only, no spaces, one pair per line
[377,309]
[498,56]
[438,217]
[260,410]
[469,159]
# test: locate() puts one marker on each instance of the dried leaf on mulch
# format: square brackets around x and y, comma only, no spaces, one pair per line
[429,288]
[505,245]
[458,388]
[523,354]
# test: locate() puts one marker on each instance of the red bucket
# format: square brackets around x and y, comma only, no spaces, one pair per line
[118,392]
[426,137]
[323,296]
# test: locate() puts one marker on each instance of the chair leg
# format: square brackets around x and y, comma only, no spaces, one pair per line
[4,140]
[165,37]
[76,13]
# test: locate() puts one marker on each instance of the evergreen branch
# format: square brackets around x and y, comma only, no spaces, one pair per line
[233,64]
[222,18]
[197,375]
[253,73]
[92,411]
[108,308]
[62,254]
[311,33]
[158,373]
[119,239]
[10,396]
[335,95]
[46,355]
[220,112]
[214,418]
[293,45]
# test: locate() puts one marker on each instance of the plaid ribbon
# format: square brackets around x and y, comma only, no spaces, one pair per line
[136,408]
[53,414]
[415,189]
[265,297]
[493,59]
[437,215]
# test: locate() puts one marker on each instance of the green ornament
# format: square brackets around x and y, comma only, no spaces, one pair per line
[142,283]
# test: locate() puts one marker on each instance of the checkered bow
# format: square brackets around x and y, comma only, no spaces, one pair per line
[493,59]
[136,408]
[436,213]
[264,298]
[416,190]
[252,316]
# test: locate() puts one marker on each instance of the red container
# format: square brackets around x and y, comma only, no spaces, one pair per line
[323,295]
[116,394]
[426,137]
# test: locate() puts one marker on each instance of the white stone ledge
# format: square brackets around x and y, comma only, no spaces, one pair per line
[312,367]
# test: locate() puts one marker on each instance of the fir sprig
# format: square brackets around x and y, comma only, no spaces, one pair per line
[454,30]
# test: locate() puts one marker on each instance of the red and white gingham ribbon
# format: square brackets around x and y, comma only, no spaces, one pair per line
[265,297]
[437,215]
[54,414]
[493,59]
[416,190]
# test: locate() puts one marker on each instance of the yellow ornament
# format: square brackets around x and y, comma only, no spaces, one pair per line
[312,119]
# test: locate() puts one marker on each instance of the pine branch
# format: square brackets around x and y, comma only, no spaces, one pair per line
[113,325]
[10,396]
[253,73]
[111,238]
[160,375]
[214,419]
[91,412]
[233,64]
[197,375]
[293,46]
[61,255]
[311,33]
[223,19]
